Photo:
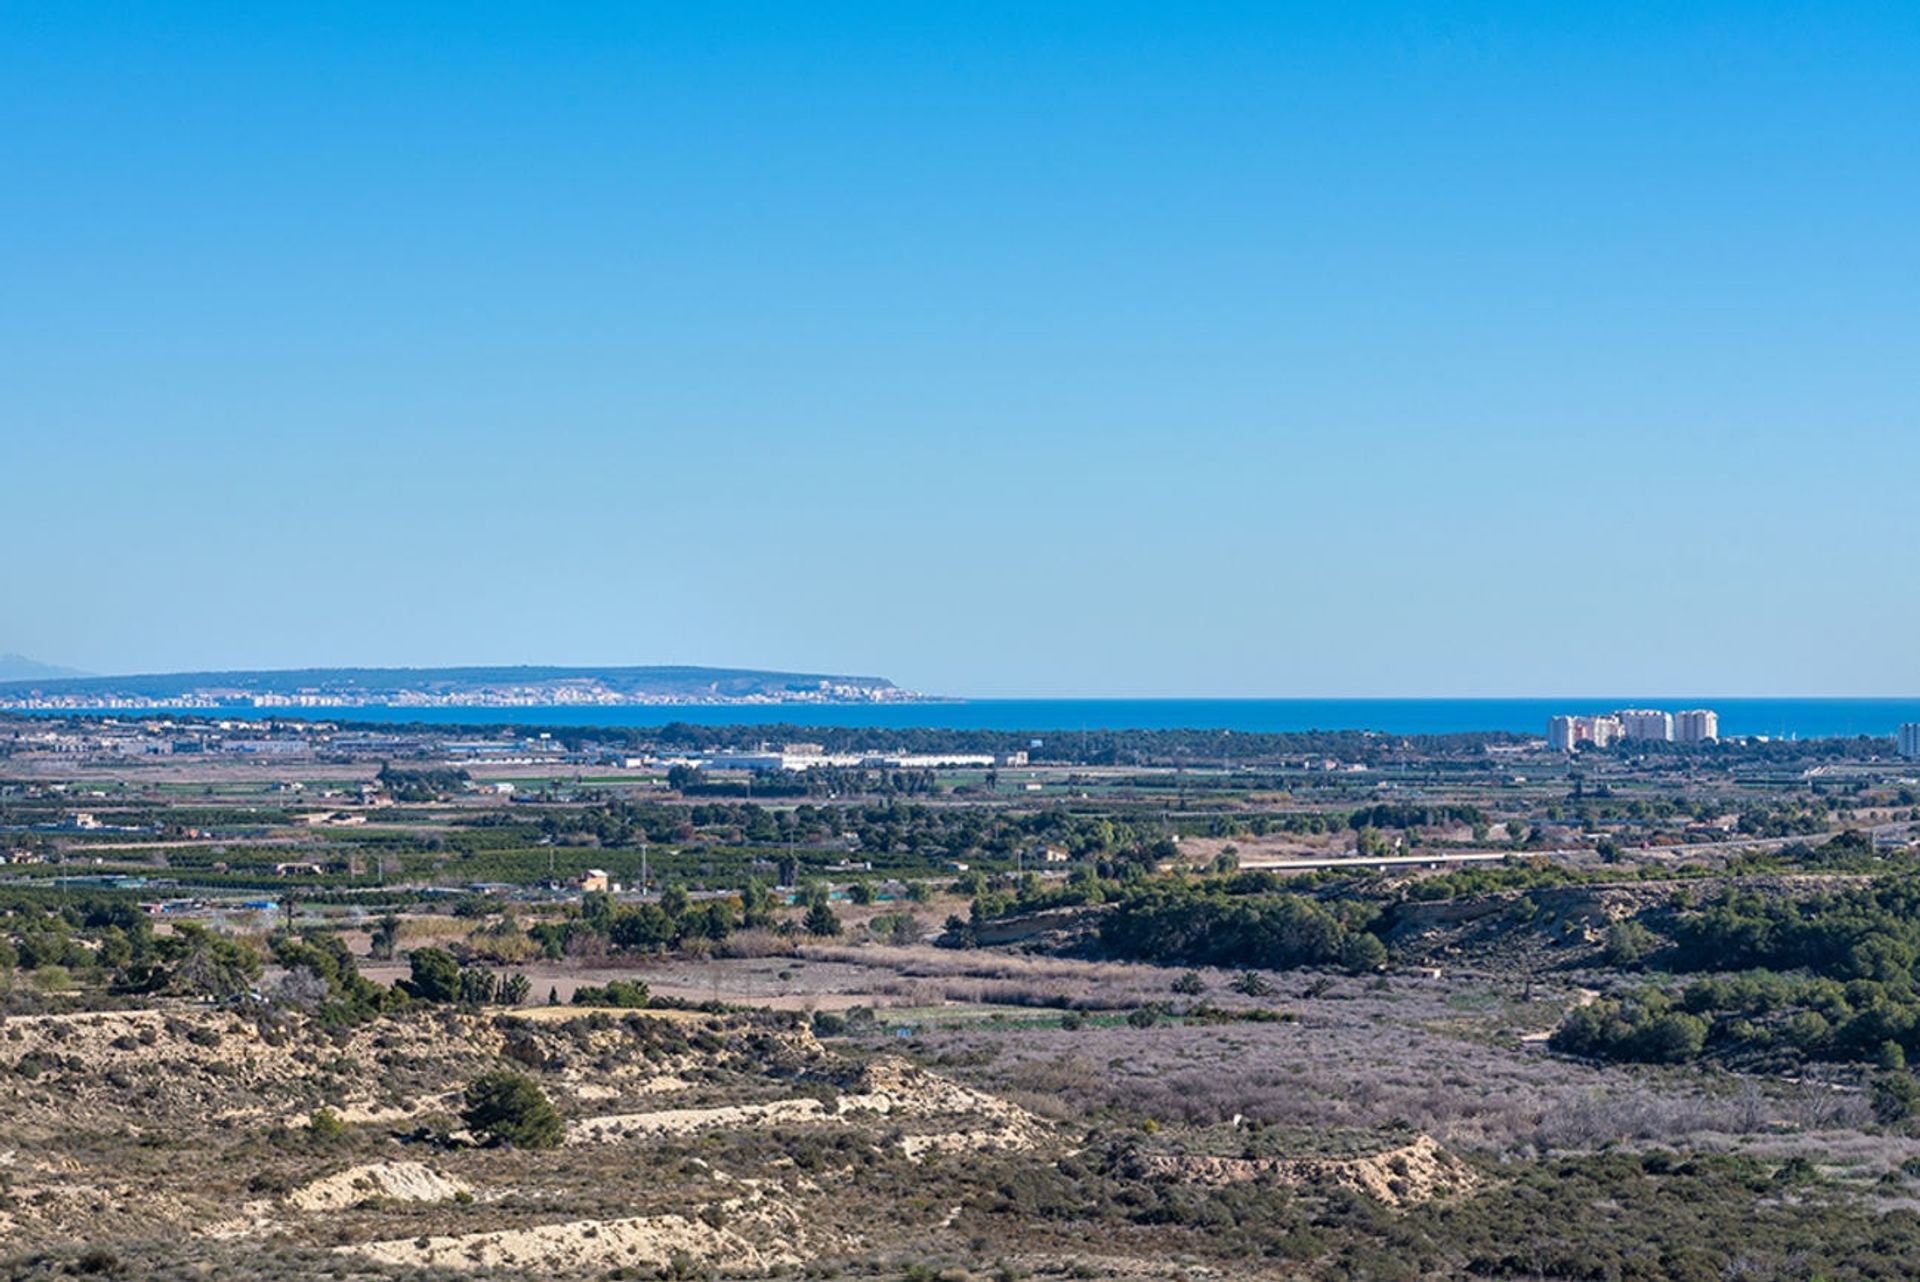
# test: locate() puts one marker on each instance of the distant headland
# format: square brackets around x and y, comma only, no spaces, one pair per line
[464,687]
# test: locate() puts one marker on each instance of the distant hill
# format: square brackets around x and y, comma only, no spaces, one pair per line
[18,667]
[455,687]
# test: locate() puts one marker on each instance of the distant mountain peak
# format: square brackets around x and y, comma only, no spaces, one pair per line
[18,667]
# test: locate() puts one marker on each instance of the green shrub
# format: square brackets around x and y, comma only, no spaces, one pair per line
[628,994]
[505,1107]
[1361,953]
[1643,1028]
[1896,1096]
[1626,944]
[1251,983]
[435,977]
[821,920]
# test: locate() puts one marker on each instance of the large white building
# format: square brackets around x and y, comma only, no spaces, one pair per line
[1696,725]
[1645,723]
[1910,740]
[1564,734]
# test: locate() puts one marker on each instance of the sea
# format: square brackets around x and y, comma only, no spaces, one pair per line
[1804,718]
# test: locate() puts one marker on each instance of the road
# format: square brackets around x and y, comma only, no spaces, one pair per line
[1377,861]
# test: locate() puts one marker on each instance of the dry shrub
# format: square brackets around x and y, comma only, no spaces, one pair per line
[749,944]
[415,931]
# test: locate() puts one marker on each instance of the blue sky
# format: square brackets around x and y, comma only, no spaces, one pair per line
[1024,349]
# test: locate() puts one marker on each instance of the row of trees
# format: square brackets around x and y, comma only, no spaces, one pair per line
[429,784]
[1407,815]
[602,925]
[1865,932]
[1832,975]
[438,977]
[111,943]
[1203,924]
[895,827]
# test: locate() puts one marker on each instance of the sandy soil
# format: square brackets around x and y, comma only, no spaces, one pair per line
[1410,1174]
[640,1241]
[399,1181]
[955,1118]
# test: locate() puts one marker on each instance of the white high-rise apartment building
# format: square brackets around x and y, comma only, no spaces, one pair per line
[1696,725]
[1645,723]
[1563,733]
[1910,740]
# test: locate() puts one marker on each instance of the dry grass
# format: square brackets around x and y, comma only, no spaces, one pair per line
[1364,1059]
[925,976]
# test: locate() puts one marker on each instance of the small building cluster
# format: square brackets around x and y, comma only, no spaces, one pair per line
[812,756]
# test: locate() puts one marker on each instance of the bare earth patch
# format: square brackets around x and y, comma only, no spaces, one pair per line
[1413,1173]
[396,1181]
[568,1248]
[970,1120]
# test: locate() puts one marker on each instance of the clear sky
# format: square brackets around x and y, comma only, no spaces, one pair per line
[1019,349]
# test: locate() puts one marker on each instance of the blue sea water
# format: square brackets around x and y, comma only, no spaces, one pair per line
[1780,718]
